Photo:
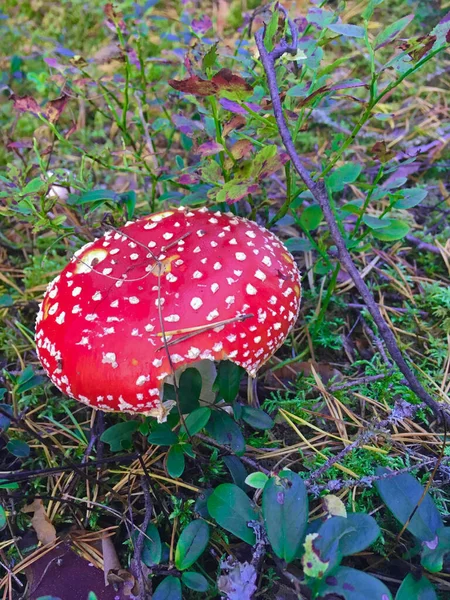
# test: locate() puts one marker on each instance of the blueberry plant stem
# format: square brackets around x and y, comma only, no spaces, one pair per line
[320,194]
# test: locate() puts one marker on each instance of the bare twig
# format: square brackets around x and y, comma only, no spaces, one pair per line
[320,194]
[136,563]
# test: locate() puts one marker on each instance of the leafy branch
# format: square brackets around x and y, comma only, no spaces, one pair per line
[320,194]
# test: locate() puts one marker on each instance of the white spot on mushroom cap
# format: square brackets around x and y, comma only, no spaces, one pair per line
[196,303]
[134,256]
[76,291]
[53,309]
[109,358]
[214,287]
[60,318]
[217,266]
[97,296]
[142,379]
[107,271]
[212,315]
[266,260]
[168,235]
[172,318]
[240,256]
[193,352]
[133,300]
[197,275]
[251,290]
[260,275]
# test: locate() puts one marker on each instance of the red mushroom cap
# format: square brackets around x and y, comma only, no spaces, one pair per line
[192,283]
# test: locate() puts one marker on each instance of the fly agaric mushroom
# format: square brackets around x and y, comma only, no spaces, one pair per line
[162,292]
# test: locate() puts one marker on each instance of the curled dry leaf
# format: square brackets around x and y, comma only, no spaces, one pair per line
[113,572]
[51,111]
[223,82]
[333,506]
[45,531]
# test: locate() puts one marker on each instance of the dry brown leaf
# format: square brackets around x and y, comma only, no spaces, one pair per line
[110,559]
[45,531]
[333,506]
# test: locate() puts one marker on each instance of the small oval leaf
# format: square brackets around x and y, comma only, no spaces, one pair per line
[232,509]
[191,544]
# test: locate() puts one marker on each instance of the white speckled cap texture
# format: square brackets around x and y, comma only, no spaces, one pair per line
[190,283]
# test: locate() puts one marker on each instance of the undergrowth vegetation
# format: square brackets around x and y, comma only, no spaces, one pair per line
[327,477]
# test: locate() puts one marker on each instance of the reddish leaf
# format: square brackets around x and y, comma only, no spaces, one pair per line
[194,85]
[54,108]
[223,81]
[210,148]
[51,111]
[241,149]
[26,104]
[229,82]
[235,123]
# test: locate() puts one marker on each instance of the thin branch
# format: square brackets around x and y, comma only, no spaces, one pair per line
[320,194]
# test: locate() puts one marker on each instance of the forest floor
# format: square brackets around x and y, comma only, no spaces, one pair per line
[94,134]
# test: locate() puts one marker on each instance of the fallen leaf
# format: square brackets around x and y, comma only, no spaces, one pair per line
[110,558]
[45,531]
[333,506]
[51,111]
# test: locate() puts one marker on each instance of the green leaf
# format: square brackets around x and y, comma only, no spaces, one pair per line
[4,420]
[256,418]
[237,470]
[391,32]
[224,430]
[232,509]
[128,199]
[162,435]
[33,186]
[92,596]
[351,584]
[168,589]
[434,551]
[2,518]
[395,231]
[6,300]
[175,461]
[419,589]
[342,536]
[347,30]
[191,544]
[189,389]
[341,176]
[93,196]
[257,480]
[152,551]
[18,448]
[366,531]
[285,512]
[196,420]
[297,244]
[228,380]
[376,222]
[49,598]
[195,581]
[401,494]
[271,29]
[411,197]
[28,380]
[119,436]
[210,57]
[311,217]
